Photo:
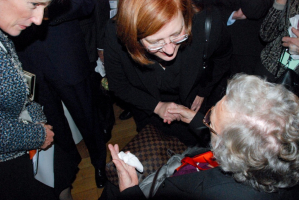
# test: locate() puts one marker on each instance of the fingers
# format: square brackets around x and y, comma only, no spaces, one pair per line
[114,151]
[197,109]
[295,31]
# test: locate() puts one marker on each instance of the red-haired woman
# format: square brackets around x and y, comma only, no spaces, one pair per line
[154,58]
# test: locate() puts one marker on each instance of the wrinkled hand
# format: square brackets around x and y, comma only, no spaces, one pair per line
[239,15]
[186,115]
[161,110]
[127,175]
[292,42]
[49,136]
[197,103]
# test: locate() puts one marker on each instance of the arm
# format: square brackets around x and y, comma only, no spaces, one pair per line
[118,72]
[269,30]
[255,9]
[195,120]
[36,112]
[26,136]
[102,13]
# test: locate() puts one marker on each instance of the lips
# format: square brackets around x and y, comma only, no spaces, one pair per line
[23,27]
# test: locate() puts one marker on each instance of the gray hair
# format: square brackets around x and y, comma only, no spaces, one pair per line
[260,144]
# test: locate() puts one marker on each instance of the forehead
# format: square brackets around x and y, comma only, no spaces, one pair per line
[168,29]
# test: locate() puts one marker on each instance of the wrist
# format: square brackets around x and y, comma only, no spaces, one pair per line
[157,108]
[282,2]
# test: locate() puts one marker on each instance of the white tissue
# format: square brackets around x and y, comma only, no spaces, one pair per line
[294,23]
[131,159]
[100,68]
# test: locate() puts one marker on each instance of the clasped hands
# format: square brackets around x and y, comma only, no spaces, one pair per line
[170,111]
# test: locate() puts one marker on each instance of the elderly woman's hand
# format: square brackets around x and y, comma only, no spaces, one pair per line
[127,175]
[49,136]
[292,42]
[186,114]
[161,110]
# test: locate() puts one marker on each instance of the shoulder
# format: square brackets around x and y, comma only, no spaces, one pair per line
[212,184]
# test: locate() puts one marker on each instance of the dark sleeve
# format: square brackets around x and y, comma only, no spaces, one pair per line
[118,81]
[219,52]
[69,10]
[102,12]
[271,26]
[18,136]
[255,9]
[197,125]
[132,193]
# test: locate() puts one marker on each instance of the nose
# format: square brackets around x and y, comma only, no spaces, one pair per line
[169,48]
[38,15]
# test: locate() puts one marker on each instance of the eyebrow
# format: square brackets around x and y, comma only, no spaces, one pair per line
[177,32]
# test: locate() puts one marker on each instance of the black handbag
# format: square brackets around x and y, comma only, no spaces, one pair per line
[289,78]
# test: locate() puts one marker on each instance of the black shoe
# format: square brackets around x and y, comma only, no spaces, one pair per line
[100,176]
[126,114]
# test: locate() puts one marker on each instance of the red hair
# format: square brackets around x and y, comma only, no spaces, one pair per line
[137,19]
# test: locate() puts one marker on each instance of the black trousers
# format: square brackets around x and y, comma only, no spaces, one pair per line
[17,181]
[79,99]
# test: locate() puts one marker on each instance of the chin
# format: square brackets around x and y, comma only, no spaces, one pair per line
[165,57]
[13,33]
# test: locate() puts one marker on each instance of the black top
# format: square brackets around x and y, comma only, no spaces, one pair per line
[140,86]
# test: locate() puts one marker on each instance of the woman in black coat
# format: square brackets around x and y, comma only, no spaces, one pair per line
[154,57]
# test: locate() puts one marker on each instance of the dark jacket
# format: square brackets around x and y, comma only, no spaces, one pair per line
[137,86]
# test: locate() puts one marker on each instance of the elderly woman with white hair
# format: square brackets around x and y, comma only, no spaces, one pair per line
[255,140]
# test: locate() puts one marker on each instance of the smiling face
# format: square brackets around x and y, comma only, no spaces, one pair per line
[17,15]
[171,30]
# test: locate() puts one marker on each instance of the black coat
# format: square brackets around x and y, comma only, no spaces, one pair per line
[139,87]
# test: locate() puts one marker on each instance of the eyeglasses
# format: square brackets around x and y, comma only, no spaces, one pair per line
[207,120]
[177,40]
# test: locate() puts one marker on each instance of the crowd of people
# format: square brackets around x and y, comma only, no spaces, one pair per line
[175,64]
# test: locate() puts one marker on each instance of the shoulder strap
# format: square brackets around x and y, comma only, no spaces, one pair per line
[208,25]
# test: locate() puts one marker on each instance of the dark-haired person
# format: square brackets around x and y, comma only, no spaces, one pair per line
[154,57]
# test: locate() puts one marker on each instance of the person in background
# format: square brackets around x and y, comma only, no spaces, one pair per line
[93,28]
[154,58]
[57,54]
[243,19]
[255,140]
[274,31]
[23,126]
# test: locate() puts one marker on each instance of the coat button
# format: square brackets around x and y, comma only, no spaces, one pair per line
[163,185]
